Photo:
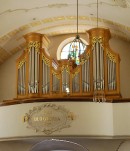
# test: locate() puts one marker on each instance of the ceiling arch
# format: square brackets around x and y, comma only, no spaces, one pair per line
[55,18]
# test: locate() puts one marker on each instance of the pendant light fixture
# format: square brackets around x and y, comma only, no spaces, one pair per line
[77,46]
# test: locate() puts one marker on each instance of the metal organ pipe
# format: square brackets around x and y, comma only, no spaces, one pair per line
[43,76]
[18,81]
[114,75]
[85,76]
[88,75]
[46,73]
[98,66]
[94,68]
[23,78]
[111,65]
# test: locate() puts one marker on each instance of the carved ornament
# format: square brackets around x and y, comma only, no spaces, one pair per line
[48,118]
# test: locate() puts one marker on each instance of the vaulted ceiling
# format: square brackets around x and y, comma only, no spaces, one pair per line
[55,17]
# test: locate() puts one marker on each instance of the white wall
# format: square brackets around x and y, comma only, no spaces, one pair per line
[123,49]
[121,114]
[92,119]
[8,78]
[97,126]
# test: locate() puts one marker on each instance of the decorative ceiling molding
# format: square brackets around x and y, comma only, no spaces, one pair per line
[122,3]
[49,21]
[60,5]
[56,26]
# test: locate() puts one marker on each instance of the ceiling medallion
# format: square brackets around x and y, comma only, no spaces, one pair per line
[48,118]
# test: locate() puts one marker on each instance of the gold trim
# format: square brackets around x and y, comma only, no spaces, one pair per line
[56,74]
[35,44]
[111,56]
[46,60]
[86,58]
[65,67]
[97,39]
[75,73]
[21,62]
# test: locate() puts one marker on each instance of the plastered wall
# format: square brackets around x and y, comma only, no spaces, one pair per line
[91,119]
[8,78]
[123,49]
[93,122]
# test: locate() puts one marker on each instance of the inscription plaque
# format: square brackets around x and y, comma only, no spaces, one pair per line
[48,118]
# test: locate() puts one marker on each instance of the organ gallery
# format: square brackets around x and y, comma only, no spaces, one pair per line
[97,76]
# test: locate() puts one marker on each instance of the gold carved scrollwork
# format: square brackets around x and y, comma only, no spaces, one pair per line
[34,44]
[56,74]
[75,73]
[111,56]
[97,39]
[26,118]
[46,60]
[21,62]
[66,67]
[86,57]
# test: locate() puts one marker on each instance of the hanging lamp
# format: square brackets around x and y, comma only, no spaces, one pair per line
[77,46]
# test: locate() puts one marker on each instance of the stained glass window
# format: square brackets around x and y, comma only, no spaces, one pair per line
[68,53]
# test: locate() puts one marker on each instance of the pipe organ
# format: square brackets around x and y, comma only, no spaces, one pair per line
[38,75]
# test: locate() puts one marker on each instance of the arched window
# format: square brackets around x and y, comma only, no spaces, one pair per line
[63,50]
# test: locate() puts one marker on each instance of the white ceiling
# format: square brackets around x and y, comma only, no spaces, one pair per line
[55,17]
